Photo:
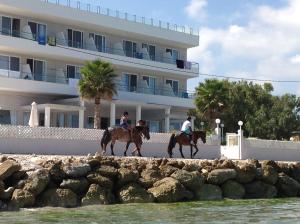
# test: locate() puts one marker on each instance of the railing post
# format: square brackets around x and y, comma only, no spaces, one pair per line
[98,10]
[88,7]
[134,18]
[78,4]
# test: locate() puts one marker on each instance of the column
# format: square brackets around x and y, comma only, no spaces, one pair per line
[193,123]
[112,114]
[167,119]
[13,117]
[47,117]
[138,113]
[81,119]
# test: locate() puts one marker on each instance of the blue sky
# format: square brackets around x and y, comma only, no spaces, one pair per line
[241,38]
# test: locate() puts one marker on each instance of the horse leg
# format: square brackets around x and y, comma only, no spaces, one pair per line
[197,150]
[112,147]
[191,151]
[127,147]
[138,150]
[180,150]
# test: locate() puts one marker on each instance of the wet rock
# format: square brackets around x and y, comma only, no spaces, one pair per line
[77,170]
[127,176]
[134,193]
[7,194]
[233,190]
[7,168]
[259,189]
[57,197]
[269,174]
[169,190]
[245,173]
[97,195]
[95,178]
[22,199]
[191,180]
[149,177]
[37,182]
[287,186]
[209,192]
[108,171]
[218,177]
[76,185]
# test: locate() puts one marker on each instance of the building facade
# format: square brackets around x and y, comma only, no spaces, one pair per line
[44,43]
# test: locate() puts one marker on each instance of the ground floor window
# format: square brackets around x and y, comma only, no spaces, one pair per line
[5,117]
[175,125]
[154,126]
[104,122]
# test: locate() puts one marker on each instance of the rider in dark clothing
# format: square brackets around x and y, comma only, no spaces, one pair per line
[124,121]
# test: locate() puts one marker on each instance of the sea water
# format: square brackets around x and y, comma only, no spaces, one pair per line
[227,211]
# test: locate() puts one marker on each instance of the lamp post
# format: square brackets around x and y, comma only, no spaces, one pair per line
[218,121]
[202,125]
[240,134]
[222,133]
[240,123]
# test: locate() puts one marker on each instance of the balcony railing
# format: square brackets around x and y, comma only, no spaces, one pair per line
[180,64]
[123,15]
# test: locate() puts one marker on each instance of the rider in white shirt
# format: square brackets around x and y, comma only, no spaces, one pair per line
[187,128]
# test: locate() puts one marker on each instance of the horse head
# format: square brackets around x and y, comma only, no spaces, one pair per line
[201,134]
[144,128]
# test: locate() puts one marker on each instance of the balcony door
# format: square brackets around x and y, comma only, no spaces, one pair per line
[129,48]
[151,81]
[151,50]
[39,32]
[75,38]
[175,86]
[174,53]
[130,82]
[10,26]
[73,72]
[37,68]
[100,41]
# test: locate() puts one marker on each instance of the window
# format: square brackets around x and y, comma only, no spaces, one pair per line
[15,64]
[39,32]
[151,81]
[75,38]
[90,122]
[4,62]
[130,82]
[151,50]
[174,54]
[175,86]
[73,72]
[10,26]
[100,42]
[37,69]
[8,63]
[129,48]
[5,117]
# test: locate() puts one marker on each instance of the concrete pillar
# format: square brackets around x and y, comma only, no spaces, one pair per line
[47,117]
[193,123]
[138,113]
[167,119]
[13,117]
[81,119]
[112,114]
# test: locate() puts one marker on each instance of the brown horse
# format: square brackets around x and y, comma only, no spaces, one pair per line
[182,139]
[135,135]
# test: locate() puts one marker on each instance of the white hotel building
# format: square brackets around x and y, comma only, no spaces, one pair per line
[43,44]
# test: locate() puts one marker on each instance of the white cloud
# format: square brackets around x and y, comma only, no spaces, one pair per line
[195,9]
[268,40]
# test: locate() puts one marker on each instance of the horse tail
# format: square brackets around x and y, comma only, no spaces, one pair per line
[171,145]
[105,138]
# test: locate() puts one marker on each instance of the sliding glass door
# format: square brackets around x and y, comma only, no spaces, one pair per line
[151,81]
[39,32]
[75,38]
[130,82]
[37,68]
[100,42]
[129,48]
[10,26]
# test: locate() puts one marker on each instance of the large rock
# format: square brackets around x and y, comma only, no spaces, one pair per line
[134,193]
[220,176]
[169,190]
[295,173]
[7,194]
[149,177]
[107,171]
[233,190]
[269,174]
[245,173]
[97,195]
[191,180]
[167,170]
[7,168]
[57,197]
[259,189]
[22,199]
[287,186]
[37,182]
[95,178]
[77,170]
[76,185]
[126,176]
[209,192]
[55,169]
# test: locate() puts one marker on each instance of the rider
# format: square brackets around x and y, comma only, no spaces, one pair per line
[187,129]
[124,121]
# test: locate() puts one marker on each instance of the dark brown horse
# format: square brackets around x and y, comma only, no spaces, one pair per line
[183,140]
[135,135]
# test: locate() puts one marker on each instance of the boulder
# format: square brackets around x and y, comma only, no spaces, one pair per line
[37,182]
[220,176]
[95,178]
[7,168]
[176,164]
[209,192]
[269,174]
[192,167]
[259,189]
[226,164]
[295,173]
[245,173]
[167,170]
[126,176]
[22,199]
[76,185]
[77,170]
[233,190]
[107,171]
[97,195]
[149,177]
[169,190]
[57,197]
[7,194]
[191,180]
[134,193]
[55,171]
[287,186]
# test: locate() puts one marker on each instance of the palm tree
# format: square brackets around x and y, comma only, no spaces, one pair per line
[97,83]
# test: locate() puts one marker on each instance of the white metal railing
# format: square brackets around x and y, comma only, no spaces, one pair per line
[123,15]
[271,144]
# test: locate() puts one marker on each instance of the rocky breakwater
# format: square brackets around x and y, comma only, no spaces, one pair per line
[72,182]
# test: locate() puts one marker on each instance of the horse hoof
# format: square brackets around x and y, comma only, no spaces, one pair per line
[125,154]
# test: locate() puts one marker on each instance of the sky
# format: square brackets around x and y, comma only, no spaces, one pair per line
[240,38]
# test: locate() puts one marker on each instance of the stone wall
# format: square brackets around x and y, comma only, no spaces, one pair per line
[72,182]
